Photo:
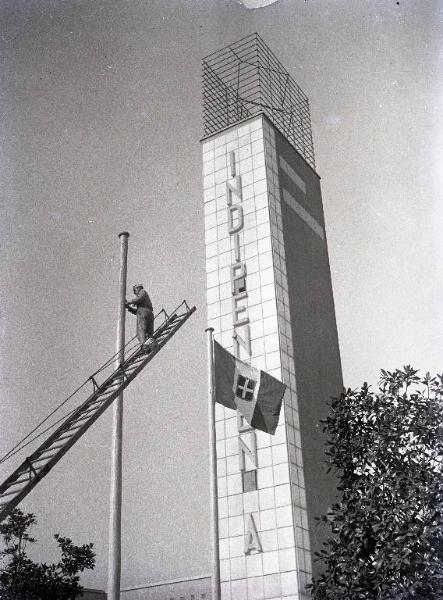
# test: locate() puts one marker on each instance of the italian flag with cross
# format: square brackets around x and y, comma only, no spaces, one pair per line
[255,394]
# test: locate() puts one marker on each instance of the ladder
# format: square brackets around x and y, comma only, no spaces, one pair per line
[32,470]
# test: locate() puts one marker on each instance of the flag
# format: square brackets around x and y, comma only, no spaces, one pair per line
[255,394]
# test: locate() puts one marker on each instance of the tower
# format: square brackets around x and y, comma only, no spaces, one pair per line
[270,302]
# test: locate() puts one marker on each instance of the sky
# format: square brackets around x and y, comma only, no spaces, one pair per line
[100,128]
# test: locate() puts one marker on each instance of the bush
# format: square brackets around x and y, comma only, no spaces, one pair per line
[386,532]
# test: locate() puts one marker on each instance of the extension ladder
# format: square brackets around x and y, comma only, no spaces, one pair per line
[18,485]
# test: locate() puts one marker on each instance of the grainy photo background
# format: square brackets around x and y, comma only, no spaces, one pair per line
[100,117]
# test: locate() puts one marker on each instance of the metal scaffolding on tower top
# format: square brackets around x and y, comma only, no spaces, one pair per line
[245,79]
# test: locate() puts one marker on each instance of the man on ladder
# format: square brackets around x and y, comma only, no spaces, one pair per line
[141,306]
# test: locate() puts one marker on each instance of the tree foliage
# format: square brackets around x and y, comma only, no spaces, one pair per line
[386,532]
[23,579]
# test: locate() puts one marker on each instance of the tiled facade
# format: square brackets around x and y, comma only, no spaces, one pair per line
[241,167]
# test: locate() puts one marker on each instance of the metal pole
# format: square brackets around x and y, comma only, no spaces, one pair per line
[215,579]
[114,564]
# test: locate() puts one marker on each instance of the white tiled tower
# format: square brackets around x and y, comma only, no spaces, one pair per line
[269,300]
[278,506]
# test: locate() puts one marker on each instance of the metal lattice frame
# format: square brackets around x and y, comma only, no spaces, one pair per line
[245,79]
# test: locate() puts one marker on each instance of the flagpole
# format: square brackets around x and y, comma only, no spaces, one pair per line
[114,565]
[215,579]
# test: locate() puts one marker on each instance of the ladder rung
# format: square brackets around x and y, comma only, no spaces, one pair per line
[72,427]
[81,417]
[95,404]
[99,399]
[129,366]
[63,437]
[25,479]
[13,493]
[165,329]
[51,448]
[27,469]
[114,387]
[86,413]
[90,410]
[137,358]
[163,332]
[41,459]
[163,336]
[108,391]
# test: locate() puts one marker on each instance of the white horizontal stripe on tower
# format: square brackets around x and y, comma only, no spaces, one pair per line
[286,167]
[303,214]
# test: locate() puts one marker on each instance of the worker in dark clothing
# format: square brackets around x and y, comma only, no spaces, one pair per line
[141,306]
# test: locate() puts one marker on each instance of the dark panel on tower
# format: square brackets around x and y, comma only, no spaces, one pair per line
[314,331]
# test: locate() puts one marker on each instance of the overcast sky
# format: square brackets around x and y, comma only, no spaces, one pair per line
[100,117]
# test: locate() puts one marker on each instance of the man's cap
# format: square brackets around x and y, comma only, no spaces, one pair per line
[137,285]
